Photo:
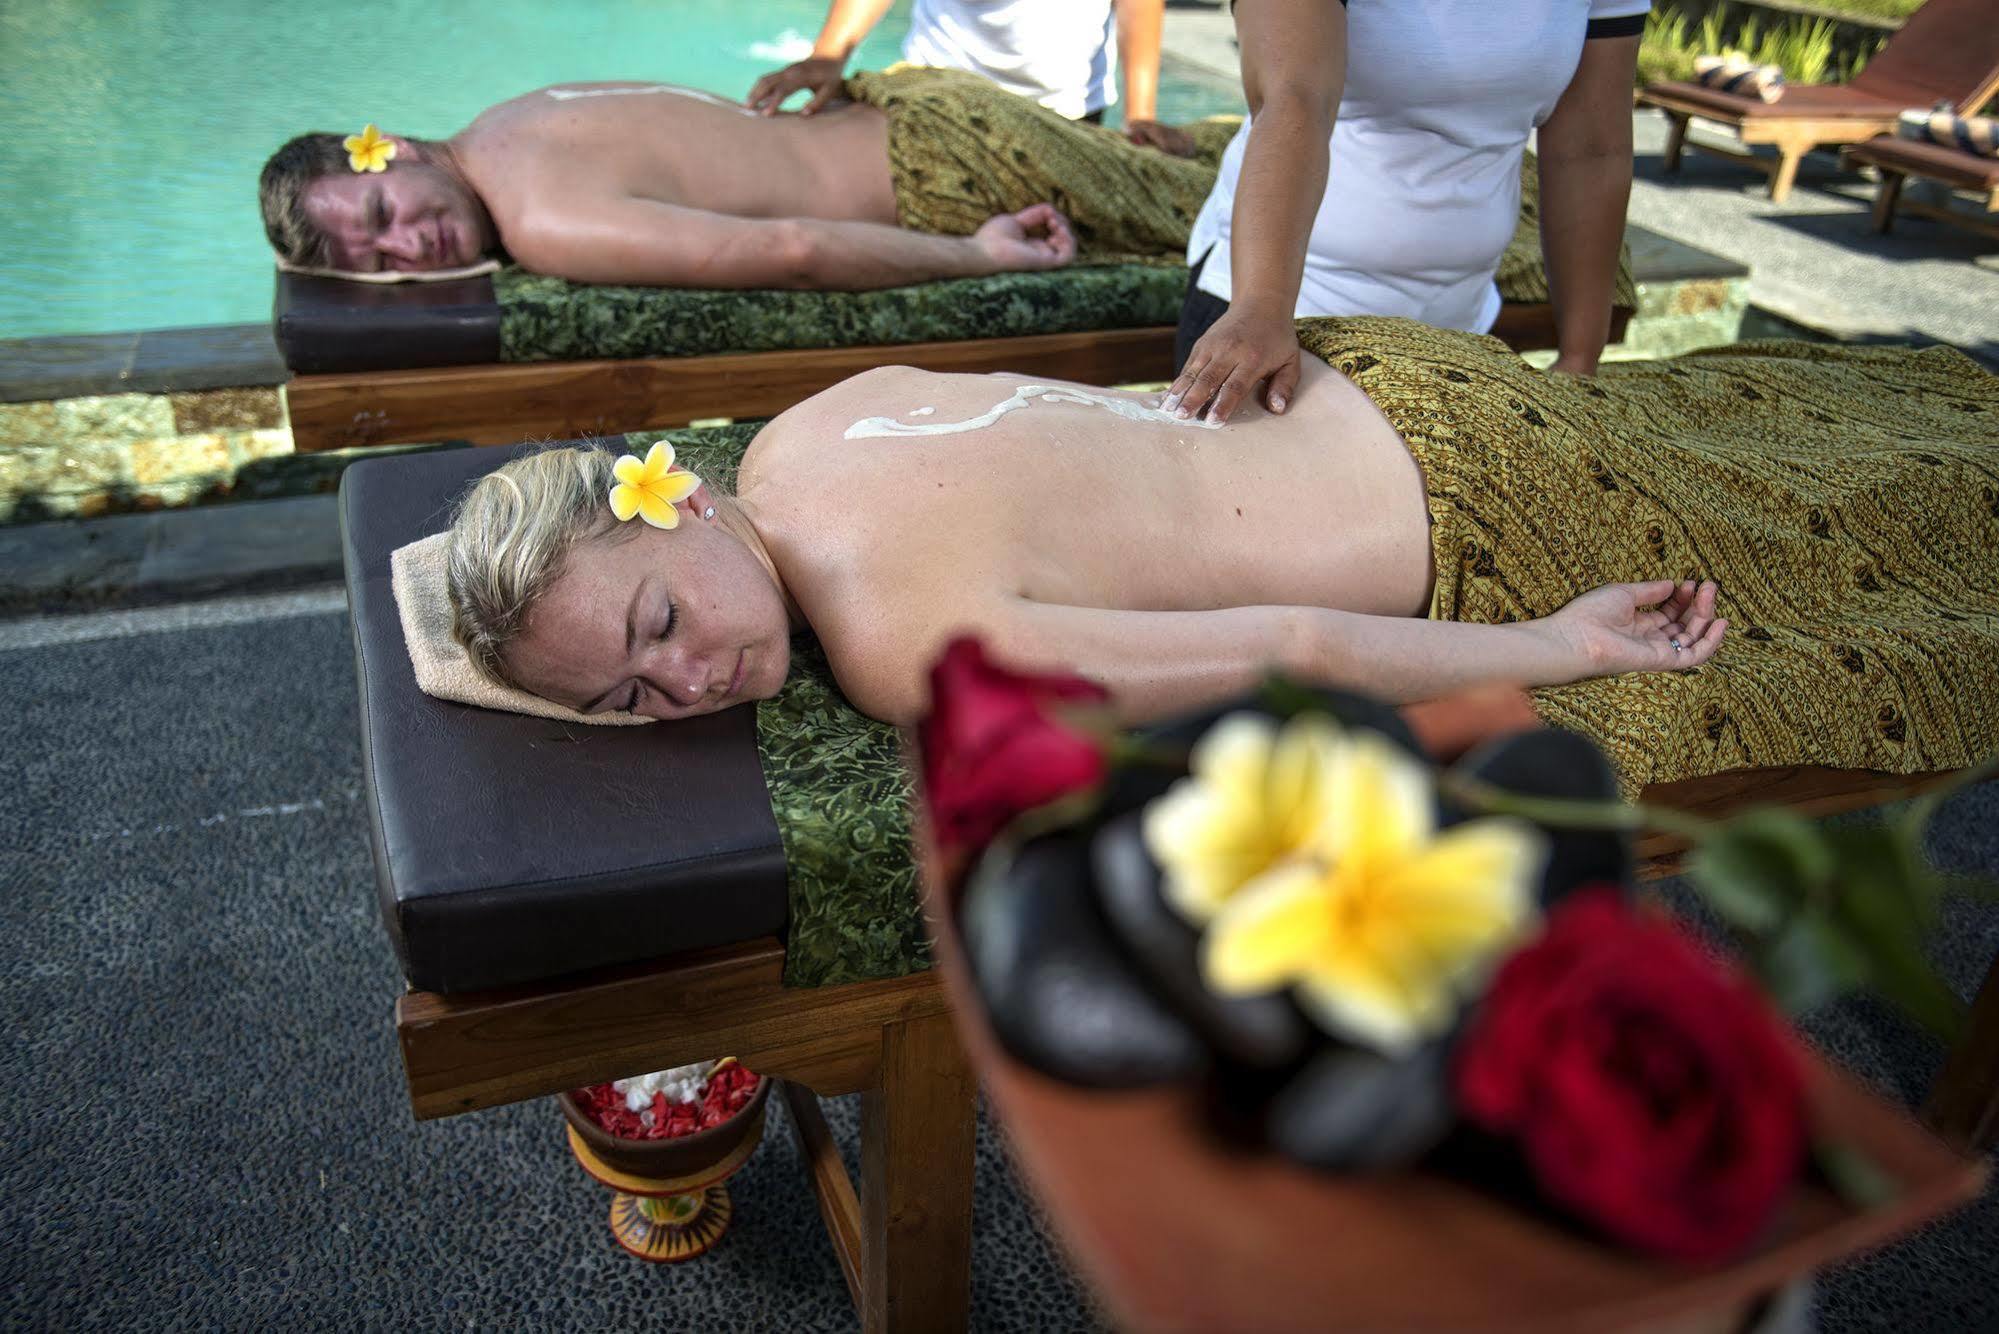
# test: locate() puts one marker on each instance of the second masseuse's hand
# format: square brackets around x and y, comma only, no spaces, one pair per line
[1037,237]
[821,75]
[1245,348]
[1166,138]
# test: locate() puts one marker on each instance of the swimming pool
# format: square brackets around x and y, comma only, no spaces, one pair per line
[131,131]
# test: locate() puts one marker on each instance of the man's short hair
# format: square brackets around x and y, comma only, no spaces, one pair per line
[281,194]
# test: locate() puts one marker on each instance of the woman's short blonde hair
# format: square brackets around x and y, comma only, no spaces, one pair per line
[509,538]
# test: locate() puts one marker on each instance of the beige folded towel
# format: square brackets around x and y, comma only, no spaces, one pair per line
[483,267]
[416,575]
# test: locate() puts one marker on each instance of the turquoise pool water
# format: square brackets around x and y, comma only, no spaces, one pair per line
[131,131]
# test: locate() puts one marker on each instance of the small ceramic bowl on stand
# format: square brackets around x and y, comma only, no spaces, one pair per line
[668,1202]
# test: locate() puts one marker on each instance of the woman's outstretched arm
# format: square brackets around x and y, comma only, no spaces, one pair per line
[1158,663]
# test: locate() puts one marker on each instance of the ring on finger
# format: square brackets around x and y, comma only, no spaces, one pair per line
[1678,647]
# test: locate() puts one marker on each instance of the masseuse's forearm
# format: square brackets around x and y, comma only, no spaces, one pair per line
[1582,233]
[848,22]
[1404,659]
[1138,33]
[1294,63]
[1585,153]
[1283,179]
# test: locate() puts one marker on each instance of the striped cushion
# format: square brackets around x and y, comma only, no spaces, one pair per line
[1733,72]
[1973,134]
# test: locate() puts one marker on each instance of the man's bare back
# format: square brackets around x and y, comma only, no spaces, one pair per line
[676,146]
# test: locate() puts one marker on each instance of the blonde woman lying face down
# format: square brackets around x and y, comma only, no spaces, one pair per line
[1079,528]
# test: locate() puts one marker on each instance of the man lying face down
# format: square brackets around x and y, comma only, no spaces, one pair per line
[1443,517]
[653,184]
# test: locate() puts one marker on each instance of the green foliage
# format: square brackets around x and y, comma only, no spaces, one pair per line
[1804,48]
[1824,910]
[1818,910]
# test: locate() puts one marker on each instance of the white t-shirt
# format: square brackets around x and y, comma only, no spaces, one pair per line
[1424,184]
[1061,53]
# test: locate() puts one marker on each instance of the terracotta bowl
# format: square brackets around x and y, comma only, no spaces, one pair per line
[669,1159]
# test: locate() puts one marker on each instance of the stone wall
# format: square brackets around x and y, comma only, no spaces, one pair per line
[120,453]
[117,452]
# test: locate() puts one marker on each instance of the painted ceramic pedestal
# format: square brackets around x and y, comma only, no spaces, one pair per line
[668,1200]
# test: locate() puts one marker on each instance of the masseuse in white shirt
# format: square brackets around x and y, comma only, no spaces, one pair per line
[1378,174]
[1061,53]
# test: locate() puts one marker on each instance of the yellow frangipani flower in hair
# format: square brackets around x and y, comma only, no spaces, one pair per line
[1375,919]
[369,150]
[652,488]
[1255,798]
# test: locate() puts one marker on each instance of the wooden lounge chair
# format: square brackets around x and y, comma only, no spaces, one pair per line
[1897,159]
[1948,51]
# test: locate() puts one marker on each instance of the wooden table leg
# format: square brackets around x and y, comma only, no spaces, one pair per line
[1963,1105]
[1885,197]
[1676,138]
[917,1129]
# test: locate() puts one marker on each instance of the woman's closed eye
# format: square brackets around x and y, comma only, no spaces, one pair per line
[665,629]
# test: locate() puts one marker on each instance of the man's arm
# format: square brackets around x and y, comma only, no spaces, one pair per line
[1138,28]
[1160,663]
[650,244]
[1294,59]
[1585,154]
[847,23]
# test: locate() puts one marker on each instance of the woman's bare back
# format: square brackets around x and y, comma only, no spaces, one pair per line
[1066,502]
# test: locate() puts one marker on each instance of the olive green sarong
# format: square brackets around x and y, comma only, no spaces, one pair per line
[1845,498]
[963,149]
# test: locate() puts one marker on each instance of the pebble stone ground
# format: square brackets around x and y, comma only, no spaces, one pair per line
[205,1121]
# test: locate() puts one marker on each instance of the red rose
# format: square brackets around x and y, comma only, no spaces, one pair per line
[989,749]
[1652,1089]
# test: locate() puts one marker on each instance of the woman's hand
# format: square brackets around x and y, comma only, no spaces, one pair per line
[821,74]
[1661,626]
[1037,237]
[1166,138]
[1244,348]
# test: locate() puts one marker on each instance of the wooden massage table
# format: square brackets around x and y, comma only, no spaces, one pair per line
[569,909]
[538,358]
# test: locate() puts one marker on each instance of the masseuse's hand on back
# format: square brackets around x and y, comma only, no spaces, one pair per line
[1037,237]
[847,22]
[1244,348]
[822,76]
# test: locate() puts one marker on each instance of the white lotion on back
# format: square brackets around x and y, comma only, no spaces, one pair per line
[874,427]
[569,94]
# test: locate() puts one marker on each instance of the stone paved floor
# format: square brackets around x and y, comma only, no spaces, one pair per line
[205,1119]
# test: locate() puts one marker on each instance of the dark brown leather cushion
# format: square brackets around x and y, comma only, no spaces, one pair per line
[512,849]
[326,325]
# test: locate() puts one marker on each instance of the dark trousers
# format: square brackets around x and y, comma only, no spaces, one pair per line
[1198,312]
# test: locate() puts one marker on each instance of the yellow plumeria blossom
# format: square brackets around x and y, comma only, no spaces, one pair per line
[369,150]
[1254,799]
[1373,917]
[651,489]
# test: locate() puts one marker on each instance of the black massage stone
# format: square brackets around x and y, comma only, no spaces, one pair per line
[1060,994]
